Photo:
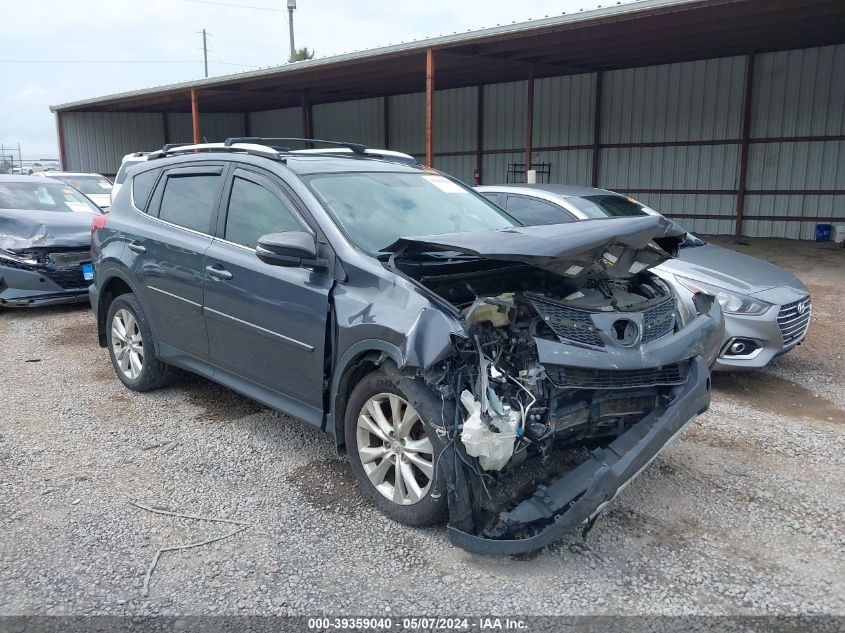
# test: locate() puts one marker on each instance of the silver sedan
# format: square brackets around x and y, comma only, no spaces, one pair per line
[767,308]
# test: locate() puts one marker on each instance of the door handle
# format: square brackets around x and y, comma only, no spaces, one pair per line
[220,273]
[138,248]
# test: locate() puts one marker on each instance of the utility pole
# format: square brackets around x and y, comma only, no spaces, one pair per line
[205,53]
[291,7]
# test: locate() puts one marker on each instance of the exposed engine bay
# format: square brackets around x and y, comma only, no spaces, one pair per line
[520,420]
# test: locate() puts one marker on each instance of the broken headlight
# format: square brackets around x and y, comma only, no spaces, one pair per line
[17,259]
[731,302]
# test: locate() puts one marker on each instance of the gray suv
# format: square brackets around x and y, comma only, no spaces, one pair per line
[456,356]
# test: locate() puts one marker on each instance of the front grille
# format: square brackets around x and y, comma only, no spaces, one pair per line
[568,323]
[658,321]
[68,278]
[794,319]
[584,378]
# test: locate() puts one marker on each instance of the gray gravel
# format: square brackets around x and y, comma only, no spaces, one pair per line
[743,515]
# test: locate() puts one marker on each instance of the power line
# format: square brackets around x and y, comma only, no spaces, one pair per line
[236,6]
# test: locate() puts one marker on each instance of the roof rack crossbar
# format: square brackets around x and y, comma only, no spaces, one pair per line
[275,142]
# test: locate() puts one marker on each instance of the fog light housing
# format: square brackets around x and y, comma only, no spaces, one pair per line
[741,348]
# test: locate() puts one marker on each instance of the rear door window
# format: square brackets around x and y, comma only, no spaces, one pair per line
[531,211]
[189,198]
[256,210]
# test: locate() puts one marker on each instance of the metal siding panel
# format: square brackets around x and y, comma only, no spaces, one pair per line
[505,107]
[179,127]
[284,122]
[802,165]
[97,141]
[688,101]
[705,204]
[799,92]
[808,206]
[406,114]
[495,166]
[568,167]
[460,167]
[563,110]
[455,116]
[676,167]
[359,121]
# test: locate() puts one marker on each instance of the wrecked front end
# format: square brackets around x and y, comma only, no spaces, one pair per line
[576,368]
[43,264]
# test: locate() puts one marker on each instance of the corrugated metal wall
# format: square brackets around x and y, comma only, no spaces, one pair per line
[97,141]
[798,93]
[669,135]
[360,121]
[281,123]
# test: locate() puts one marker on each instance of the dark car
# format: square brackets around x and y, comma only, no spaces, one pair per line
[45,242]
[451,352]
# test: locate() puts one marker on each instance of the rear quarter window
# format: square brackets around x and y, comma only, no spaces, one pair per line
[142,187]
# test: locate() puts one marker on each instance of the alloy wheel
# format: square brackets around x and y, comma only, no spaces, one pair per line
[127,343]
[394,449]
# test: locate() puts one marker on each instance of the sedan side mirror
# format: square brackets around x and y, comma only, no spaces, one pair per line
[294,248]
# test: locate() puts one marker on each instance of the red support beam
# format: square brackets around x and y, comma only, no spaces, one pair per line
[195,115]
[594,178]
[429,107]
[529,121]
[747,99]
[479,134]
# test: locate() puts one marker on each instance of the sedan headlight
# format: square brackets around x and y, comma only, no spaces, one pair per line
[731,302]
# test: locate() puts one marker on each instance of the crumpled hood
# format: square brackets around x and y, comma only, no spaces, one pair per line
[614,247]
[22,230]
[728,269]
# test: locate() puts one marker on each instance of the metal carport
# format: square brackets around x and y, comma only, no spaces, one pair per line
[728,114]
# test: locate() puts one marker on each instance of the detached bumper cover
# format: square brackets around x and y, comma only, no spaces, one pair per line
[580,494]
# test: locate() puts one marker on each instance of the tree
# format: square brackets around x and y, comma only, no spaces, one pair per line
[303,54]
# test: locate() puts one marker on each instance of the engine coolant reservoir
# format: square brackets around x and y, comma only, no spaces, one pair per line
[493,450]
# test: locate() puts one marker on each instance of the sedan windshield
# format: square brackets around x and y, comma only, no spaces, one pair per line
[377,208]
[88,184]
[44,196]
[609,206]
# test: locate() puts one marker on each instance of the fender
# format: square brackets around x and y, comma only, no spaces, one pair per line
[354,351]
[111,273]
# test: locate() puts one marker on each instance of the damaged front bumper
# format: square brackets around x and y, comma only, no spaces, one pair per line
[20,287]
[576,497]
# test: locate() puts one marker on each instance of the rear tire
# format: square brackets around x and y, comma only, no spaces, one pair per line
[387,437]
[132,347]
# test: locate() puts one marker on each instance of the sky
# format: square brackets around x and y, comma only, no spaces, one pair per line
[56,51]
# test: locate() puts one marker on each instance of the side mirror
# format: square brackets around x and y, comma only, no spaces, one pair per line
[295,248]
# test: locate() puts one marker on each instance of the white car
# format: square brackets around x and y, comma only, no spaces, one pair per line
[130,159]
[95,186]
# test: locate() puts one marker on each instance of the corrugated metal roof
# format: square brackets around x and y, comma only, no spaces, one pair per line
[635,6]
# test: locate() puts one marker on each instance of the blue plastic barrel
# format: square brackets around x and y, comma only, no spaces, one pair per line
[822,232]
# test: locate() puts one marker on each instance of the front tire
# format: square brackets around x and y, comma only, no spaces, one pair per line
[393,452]
[131,346]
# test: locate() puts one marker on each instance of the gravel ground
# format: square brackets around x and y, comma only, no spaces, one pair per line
[742,515]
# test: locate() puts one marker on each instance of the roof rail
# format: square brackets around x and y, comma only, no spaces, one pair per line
[276,143]
[242,148]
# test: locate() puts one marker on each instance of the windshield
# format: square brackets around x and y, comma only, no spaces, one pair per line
[46,196]
[377,208]
[609,206]
[88,184]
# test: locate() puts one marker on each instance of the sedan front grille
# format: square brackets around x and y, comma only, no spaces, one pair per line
[585,378]
[794,319]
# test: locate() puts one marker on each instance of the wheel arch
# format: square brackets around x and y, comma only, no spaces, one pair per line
[357,361]
[115,284]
